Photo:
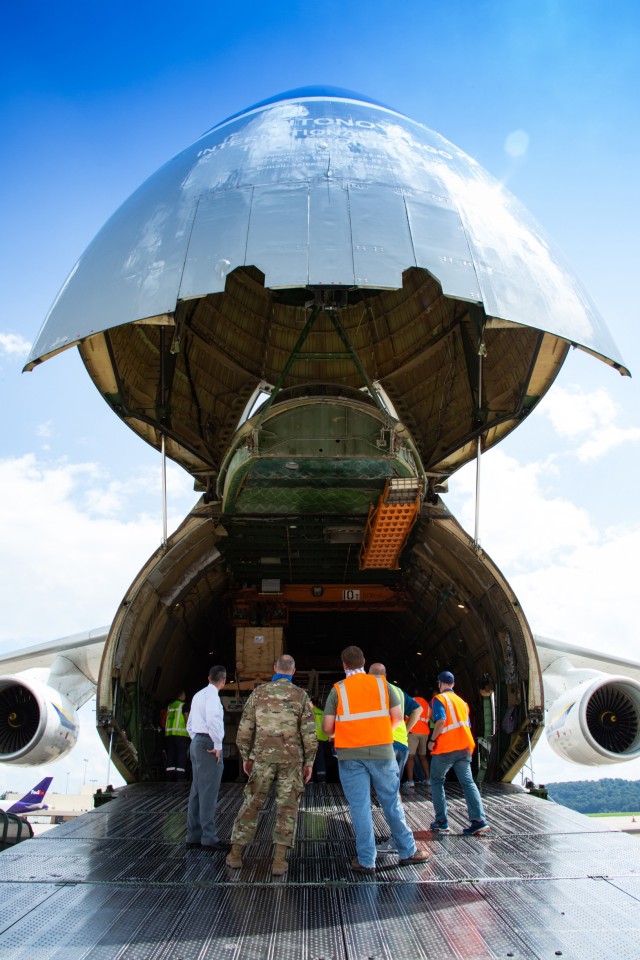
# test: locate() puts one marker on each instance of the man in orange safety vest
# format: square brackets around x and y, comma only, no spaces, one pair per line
[360,714]
[451,744]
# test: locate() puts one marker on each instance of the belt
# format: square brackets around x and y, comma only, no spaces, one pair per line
[202,735]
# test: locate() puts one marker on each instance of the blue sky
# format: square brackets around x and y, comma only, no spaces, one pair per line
[93,99]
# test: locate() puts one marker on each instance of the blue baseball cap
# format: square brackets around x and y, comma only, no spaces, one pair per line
[446,677]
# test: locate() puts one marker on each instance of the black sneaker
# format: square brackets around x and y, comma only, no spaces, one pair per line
[218,847]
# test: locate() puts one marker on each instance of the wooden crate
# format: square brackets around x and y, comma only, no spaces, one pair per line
[257,649]
[233,687]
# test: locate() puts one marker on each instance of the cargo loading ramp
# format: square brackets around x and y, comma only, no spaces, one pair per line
[118,882]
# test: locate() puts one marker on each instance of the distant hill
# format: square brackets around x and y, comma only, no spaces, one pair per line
[598,796]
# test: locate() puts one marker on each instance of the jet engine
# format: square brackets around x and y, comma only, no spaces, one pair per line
[37,723]
[597,721]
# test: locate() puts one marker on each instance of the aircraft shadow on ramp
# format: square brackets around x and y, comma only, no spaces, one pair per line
[118,882]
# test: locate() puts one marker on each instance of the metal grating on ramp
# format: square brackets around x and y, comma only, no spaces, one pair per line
[119,883]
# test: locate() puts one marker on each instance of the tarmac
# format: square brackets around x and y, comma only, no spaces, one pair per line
[119,884]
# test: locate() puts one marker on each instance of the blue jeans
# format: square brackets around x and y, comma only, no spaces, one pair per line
[207,774]
[357,777]
[460,760]
[320,762]
[401,753]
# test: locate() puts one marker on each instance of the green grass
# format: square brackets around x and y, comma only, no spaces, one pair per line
[624,813]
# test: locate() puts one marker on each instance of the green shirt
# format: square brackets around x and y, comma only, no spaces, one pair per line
[379,751]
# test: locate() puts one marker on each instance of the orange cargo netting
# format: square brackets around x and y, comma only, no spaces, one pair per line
[389,524]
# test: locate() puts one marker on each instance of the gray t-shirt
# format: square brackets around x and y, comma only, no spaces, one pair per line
[379,751]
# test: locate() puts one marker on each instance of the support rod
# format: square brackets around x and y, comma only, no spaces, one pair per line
[113,714]
[285,370]
[164,490]
[482,352]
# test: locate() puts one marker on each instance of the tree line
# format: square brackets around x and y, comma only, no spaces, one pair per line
[598,796]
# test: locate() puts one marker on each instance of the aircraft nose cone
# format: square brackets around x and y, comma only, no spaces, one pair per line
[320,186]
[197,293]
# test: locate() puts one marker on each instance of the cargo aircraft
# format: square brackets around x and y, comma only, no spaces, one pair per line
[33,800]
[321,310]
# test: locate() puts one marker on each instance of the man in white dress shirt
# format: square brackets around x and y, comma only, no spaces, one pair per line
[206,729]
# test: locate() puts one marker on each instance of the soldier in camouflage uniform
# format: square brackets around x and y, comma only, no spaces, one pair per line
[277,742]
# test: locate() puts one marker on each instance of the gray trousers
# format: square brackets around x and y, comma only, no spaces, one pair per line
[207,774]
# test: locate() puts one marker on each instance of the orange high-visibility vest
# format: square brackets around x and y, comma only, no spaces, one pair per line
[362,717]
[456,733]
[422,726]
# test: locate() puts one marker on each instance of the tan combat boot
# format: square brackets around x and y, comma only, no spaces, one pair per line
[279,866]
[234,857]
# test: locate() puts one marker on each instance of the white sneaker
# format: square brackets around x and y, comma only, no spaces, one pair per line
[388,846]
[408,783]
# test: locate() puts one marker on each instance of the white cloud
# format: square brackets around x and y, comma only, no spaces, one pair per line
[522,523]
[72,543]
[608,439]
[574,412]
[44,430]
[73,540]
[575,581]
[14,345]
[590,596]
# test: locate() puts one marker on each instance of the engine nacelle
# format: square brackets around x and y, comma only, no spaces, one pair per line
[597,721]
[37,723]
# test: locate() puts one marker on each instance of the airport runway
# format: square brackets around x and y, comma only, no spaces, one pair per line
[118,883]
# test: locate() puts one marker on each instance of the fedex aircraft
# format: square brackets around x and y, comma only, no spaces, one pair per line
[32,801]
[321,310]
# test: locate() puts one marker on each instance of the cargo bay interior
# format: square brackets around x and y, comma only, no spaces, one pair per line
[302,421]
[448,607]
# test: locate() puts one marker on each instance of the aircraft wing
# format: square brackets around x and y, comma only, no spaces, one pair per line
[83,650]
[581,658]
